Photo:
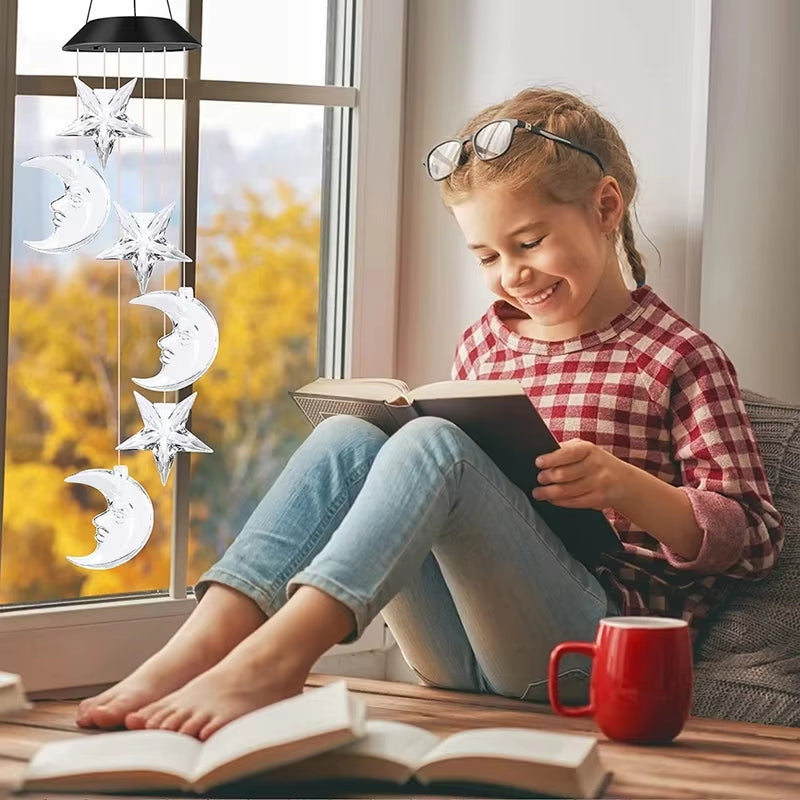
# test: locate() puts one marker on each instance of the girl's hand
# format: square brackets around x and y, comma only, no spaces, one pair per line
[581,475]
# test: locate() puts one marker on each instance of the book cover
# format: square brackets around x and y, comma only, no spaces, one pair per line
[503,423]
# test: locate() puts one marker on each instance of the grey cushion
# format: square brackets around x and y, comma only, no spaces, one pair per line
[747,664]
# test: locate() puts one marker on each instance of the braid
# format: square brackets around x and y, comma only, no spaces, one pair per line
[634,258]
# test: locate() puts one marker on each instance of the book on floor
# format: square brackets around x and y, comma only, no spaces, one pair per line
[155,760]
[12,695]
[495,760]
[318,742]
[497,415]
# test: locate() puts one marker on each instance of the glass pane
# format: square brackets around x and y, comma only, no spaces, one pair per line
[62,414]
[271,41]
[45,26]
[258,250]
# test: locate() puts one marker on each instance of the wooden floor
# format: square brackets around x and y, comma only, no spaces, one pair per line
[710,759]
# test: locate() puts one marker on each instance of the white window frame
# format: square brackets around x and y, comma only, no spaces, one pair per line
[69,649]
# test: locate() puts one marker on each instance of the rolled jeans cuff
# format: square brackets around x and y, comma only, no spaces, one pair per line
[220,575]
[361,612]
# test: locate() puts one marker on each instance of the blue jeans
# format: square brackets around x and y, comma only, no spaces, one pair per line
[423,527]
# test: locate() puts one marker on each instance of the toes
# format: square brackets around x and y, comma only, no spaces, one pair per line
[135,721]
[158,715]
[83,719]
[86,708]
[196,722]
[142,717]
[175,719]
[109,715]
[211,727]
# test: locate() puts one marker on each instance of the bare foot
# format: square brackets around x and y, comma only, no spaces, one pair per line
[219,623]
[158,676]
[271,664]
[237,685]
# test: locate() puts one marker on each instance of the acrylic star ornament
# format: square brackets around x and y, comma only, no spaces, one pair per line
[165,432]
[143,242]
[104,117]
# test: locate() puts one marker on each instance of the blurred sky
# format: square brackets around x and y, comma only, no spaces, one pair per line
[249,40]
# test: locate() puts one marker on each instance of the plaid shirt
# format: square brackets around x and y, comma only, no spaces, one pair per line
[660,394]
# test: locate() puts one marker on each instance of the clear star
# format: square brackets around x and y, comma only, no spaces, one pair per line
[143,242]
[165,432]
[104,117]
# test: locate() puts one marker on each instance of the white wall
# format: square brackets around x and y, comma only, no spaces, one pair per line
[667,72]
[644,64]
[751,240]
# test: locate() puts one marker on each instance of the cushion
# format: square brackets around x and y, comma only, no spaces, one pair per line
[747,662]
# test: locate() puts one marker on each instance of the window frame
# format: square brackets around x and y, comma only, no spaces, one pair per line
[359,262]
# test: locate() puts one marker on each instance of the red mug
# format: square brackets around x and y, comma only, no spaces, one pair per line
[641,685]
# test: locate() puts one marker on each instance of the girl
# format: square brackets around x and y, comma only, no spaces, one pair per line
[475,587]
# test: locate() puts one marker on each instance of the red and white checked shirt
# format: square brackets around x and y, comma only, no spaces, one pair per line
[660,394]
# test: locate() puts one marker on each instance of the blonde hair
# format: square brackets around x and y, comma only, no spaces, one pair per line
[557,172]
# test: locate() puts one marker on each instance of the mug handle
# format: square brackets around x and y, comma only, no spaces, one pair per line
[583,648]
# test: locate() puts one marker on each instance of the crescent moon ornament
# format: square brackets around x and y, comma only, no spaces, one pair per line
[104,117]
[79,213]
[125,526]
[165,432]
[190,348]
[143,242]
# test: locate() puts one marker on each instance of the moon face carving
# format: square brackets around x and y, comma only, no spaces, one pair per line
[125,526]
[80,213]
[190,348]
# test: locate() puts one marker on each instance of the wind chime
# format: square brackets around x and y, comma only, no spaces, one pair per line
[79,215]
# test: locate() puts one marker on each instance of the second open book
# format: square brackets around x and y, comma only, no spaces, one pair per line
[497,415]
[12,695]
[320,735]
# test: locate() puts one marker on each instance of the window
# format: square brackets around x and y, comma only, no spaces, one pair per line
[283,151]
[259,247]
[294,35]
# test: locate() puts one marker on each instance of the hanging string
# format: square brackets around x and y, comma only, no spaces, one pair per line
[143,125]
[164,178]
[119,284]
[183,172]
[77,75]
[119,413]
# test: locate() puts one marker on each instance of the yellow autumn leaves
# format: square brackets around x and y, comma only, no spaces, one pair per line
[257,270]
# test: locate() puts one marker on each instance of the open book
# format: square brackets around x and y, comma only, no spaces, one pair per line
[497,415]
[154,760]
[320,741]
[12,695]
[394,753]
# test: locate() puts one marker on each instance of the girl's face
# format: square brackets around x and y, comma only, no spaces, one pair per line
[552,262]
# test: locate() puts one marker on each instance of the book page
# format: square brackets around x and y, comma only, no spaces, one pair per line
[393,741]
[12,694]
[388,751]
[357,388]
[445,389]
[562,749]
[9,679]
[155,752]
[284,731]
